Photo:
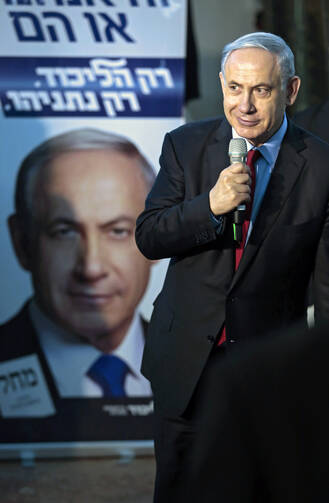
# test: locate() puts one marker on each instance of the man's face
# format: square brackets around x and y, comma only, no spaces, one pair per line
[87,272]
[254,101]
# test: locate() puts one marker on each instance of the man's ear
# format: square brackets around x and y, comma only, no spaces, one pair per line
[222,80]
[292,90]
[19,241]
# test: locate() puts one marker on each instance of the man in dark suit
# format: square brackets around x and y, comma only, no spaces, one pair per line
[265,436]
[213,299]
[78,195]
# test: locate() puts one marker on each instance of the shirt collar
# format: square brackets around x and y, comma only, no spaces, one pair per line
[131,348]
[270,149]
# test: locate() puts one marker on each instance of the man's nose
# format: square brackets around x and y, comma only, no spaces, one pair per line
[246,104]
[90,264]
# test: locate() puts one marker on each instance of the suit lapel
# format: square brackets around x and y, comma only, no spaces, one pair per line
[32,339]
[287,169]
[217,152]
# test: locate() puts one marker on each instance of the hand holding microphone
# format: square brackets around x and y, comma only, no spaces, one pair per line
[232,188]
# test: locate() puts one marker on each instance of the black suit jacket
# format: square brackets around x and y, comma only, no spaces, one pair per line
[288,244]
[265,437]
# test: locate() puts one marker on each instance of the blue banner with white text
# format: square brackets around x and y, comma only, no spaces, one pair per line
[93,87]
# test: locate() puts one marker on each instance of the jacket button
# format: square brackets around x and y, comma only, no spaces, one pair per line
[211,338]
[232,340]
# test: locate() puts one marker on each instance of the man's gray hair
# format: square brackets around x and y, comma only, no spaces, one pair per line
[71,141]
[269,42]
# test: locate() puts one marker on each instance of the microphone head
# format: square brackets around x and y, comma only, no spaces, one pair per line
[237,147]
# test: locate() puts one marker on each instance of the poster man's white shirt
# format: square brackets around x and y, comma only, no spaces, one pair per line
[70,358]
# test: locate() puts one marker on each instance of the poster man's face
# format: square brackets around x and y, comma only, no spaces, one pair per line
[88,274]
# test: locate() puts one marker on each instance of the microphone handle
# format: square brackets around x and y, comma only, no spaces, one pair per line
[238,219]
[237,232]
[239,214]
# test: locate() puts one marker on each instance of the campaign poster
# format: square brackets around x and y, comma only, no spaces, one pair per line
[79,77]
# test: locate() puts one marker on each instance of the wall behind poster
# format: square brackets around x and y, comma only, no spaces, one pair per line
[65,64]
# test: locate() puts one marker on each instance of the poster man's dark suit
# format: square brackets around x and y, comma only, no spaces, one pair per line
[265,437]
[73,416]
[289,242]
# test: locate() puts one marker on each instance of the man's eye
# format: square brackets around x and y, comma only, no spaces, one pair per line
[62,232]
[262,91]
[120,232]
[233,88]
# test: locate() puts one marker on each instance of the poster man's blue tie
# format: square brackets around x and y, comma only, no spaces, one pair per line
[109,372]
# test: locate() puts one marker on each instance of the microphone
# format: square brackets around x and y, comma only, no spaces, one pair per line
[237,152]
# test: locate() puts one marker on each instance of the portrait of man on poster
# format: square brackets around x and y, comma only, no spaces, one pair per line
[77,197]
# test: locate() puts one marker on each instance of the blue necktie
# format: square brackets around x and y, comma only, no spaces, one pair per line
[109,372]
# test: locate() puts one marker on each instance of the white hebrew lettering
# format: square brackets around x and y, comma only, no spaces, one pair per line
[148,78]
[114,102]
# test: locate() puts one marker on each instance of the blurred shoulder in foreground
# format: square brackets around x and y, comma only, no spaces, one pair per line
[264,436]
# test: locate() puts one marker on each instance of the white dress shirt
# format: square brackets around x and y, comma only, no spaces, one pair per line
[69,358]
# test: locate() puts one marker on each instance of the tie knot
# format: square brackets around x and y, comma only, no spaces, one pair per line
[252,156]
[109,372]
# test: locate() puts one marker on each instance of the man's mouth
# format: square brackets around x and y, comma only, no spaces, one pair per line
[91,299]
[247,122]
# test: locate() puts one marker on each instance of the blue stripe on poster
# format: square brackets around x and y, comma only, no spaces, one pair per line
[92,87]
